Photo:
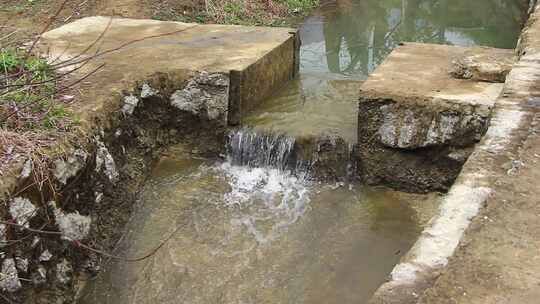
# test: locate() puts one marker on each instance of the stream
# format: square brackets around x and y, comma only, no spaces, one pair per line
[252,230]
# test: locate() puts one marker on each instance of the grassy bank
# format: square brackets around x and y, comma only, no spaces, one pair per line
[241,12]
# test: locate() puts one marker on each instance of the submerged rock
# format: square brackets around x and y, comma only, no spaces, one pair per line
[9,278]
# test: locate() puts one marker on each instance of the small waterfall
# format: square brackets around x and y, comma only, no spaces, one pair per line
[258,149]
[269,191]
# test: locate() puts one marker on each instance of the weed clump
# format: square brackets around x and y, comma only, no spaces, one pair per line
[241,12]
[30,98]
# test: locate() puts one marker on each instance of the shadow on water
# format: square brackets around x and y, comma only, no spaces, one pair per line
[345,40]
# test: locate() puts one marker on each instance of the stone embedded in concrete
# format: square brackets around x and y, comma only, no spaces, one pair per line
[205,95]
[105,162]
[45,256]
[22,264]
[3,239]
[66,169]
[9,277]
[257,59]
[22,211]
[417,122]
[147,91]
[491,66]
[39,277]
[130,104]
[73,226]
[64,272]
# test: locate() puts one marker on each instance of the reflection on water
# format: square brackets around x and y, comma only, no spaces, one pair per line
[251,235]
[345,40]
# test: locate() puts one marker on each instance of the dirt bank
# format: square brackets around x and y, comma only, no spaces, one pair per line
[28,18]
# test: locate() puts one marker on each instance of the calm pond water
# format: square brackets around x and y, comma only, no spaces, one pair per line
[344,41]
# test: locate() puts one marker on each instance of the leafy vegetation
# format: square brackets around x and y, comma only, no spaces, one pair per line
[29,98]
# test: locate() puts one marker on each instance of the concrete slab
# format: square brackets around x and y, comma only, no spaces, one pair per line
[257,60]
[445,110]
[413,103]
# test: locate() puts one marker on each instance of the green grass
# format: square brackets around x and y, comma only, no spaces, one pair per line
[244,12]
[29,98]
[20,6]
[301,6]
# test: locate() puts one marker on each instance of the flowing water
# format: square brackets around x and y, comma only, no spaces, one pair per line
[254,228]
[244,234]
[345,40]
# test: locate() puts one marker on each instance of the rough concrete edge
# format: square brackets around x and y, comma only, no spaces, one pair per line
[429,256]
[443,101]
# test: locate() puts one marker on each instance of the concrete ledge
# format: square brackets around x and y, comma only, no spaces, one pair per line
[263,59]
[512,116]
[417,123]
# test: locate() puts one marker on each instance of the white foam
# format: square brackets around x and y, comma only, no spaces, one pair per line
[269,200]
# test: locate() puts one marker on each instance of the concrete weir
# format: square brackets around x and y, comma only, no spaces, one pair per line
[431,118]
[253,61]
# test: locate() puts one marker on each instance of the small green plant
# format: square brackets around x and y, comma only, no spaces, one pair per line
[28,93]
[299,6]
[8,60]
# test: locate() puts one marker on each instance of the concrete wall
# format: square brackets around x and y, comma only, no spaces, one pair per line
[252,85]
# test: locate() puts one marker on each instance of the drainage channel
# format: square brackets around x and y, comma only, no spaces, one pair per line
[256,235]
[256,229]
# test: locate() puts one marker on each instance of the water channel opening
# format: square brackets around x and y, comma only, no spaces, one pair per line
[256,228]
[344,41]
